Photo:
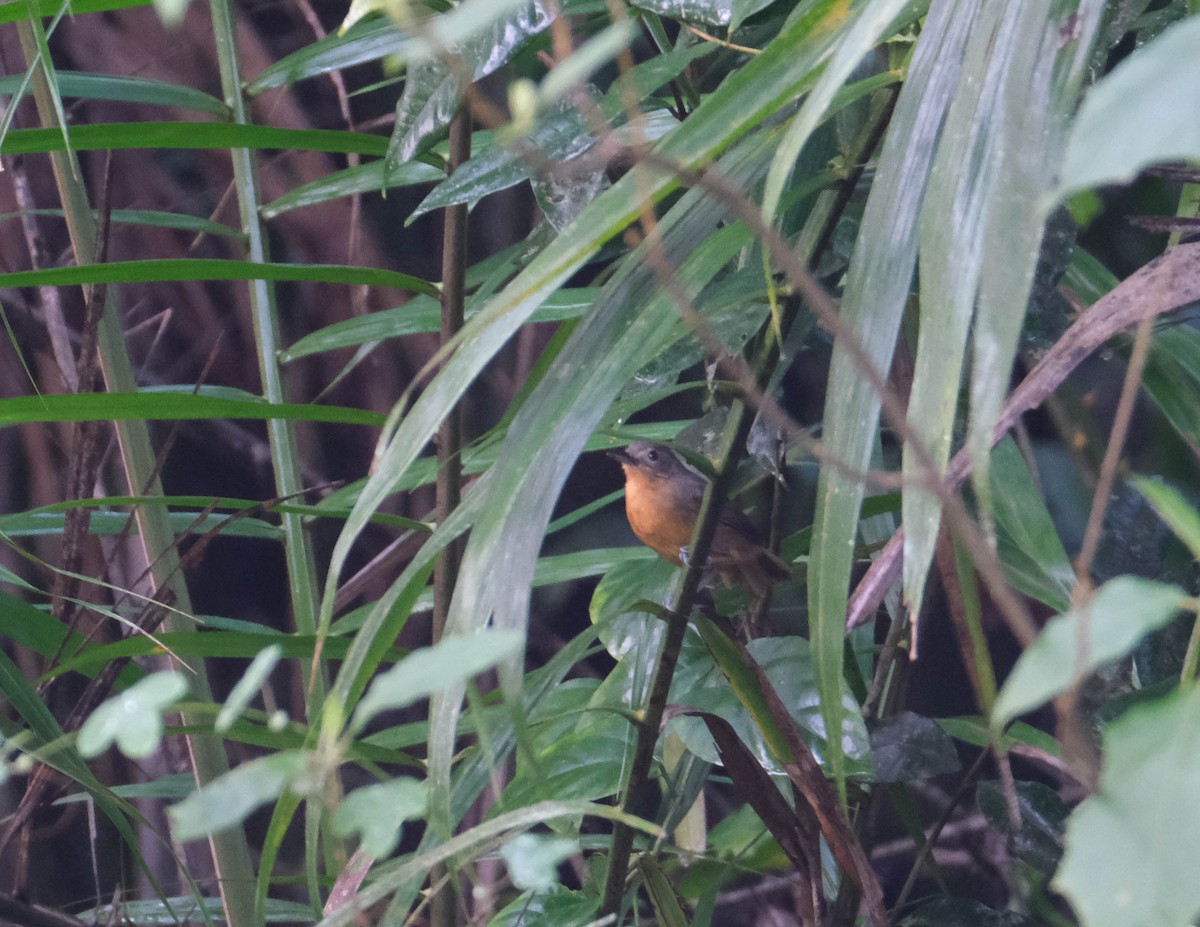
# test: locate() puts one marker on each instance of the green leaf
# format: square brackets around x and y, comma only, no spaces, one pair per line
[708,12]
[909,746]
[1031,551]
[167,270]
[133,719]
[1043,70]
[168,912]
[366,178]
[533,859]
[363,42]
[484,35]
[247,687]
[877,287]
[1130,118]
[452,660]
[377,813]
[121,135]
[1074,644]
[1174,510]
[1131,848]
[1038,841]
[17,10]
[127,90]
[229,798]
[160,406]
[950,911]
[556,906]
[422,315]
[1172,378]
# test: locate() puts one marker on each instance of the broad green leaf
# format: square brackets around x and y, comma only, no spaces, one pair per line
[484,35]
[452,660]
[1074,644]
[122,135]
[1043,74]
[161,406]
[133,719]
[909,746]
[951,254]
[229,798]
[167,270]
[1130,118]
[1039,562]
[1131,848]
[1038,841]
[1174,510]
[877,287]
[377,812]
[558,136]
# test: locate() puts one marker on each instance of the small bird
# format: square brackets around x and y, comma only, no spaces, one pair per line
[662,500]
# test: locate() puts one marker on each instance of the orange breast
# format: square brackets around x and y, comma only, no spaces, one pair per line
[656,521]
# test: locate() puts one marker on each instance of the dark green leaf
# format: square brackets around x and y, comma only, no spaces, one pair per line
[1039,839]
[167,270]
[909,746]
[121,135]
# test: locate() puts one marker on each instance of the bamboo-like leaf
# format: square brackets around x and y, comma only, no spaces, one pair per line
[121,135]
[167,270]
[16,10]
[877,288]
[863,32]
[952,245]
[1042,81]
[481,35]
[167,406]
[366,178]
[361,43]
[418,316]
[128,90]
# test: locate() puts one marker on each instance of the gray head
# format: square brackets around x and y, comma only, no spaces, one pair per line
[649,457]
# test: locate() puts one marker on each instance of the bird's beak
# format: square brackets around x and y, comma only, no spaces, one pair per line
[620,456]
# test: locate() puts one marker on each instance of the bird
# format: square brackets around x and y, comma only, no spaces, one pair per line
[662,500]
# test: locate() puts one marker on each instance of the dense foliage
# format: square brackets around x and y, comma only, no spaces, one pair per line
[317,595]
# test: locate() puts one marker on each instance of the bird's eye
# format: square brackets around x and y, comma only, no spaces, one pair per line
[652,455]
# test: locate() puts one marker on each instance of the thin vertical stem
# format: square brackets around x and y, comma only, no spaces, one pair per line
[449,445]
[450,436]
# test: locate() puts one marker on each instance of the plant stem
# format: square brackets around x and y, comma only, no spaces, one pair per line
[449,447]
